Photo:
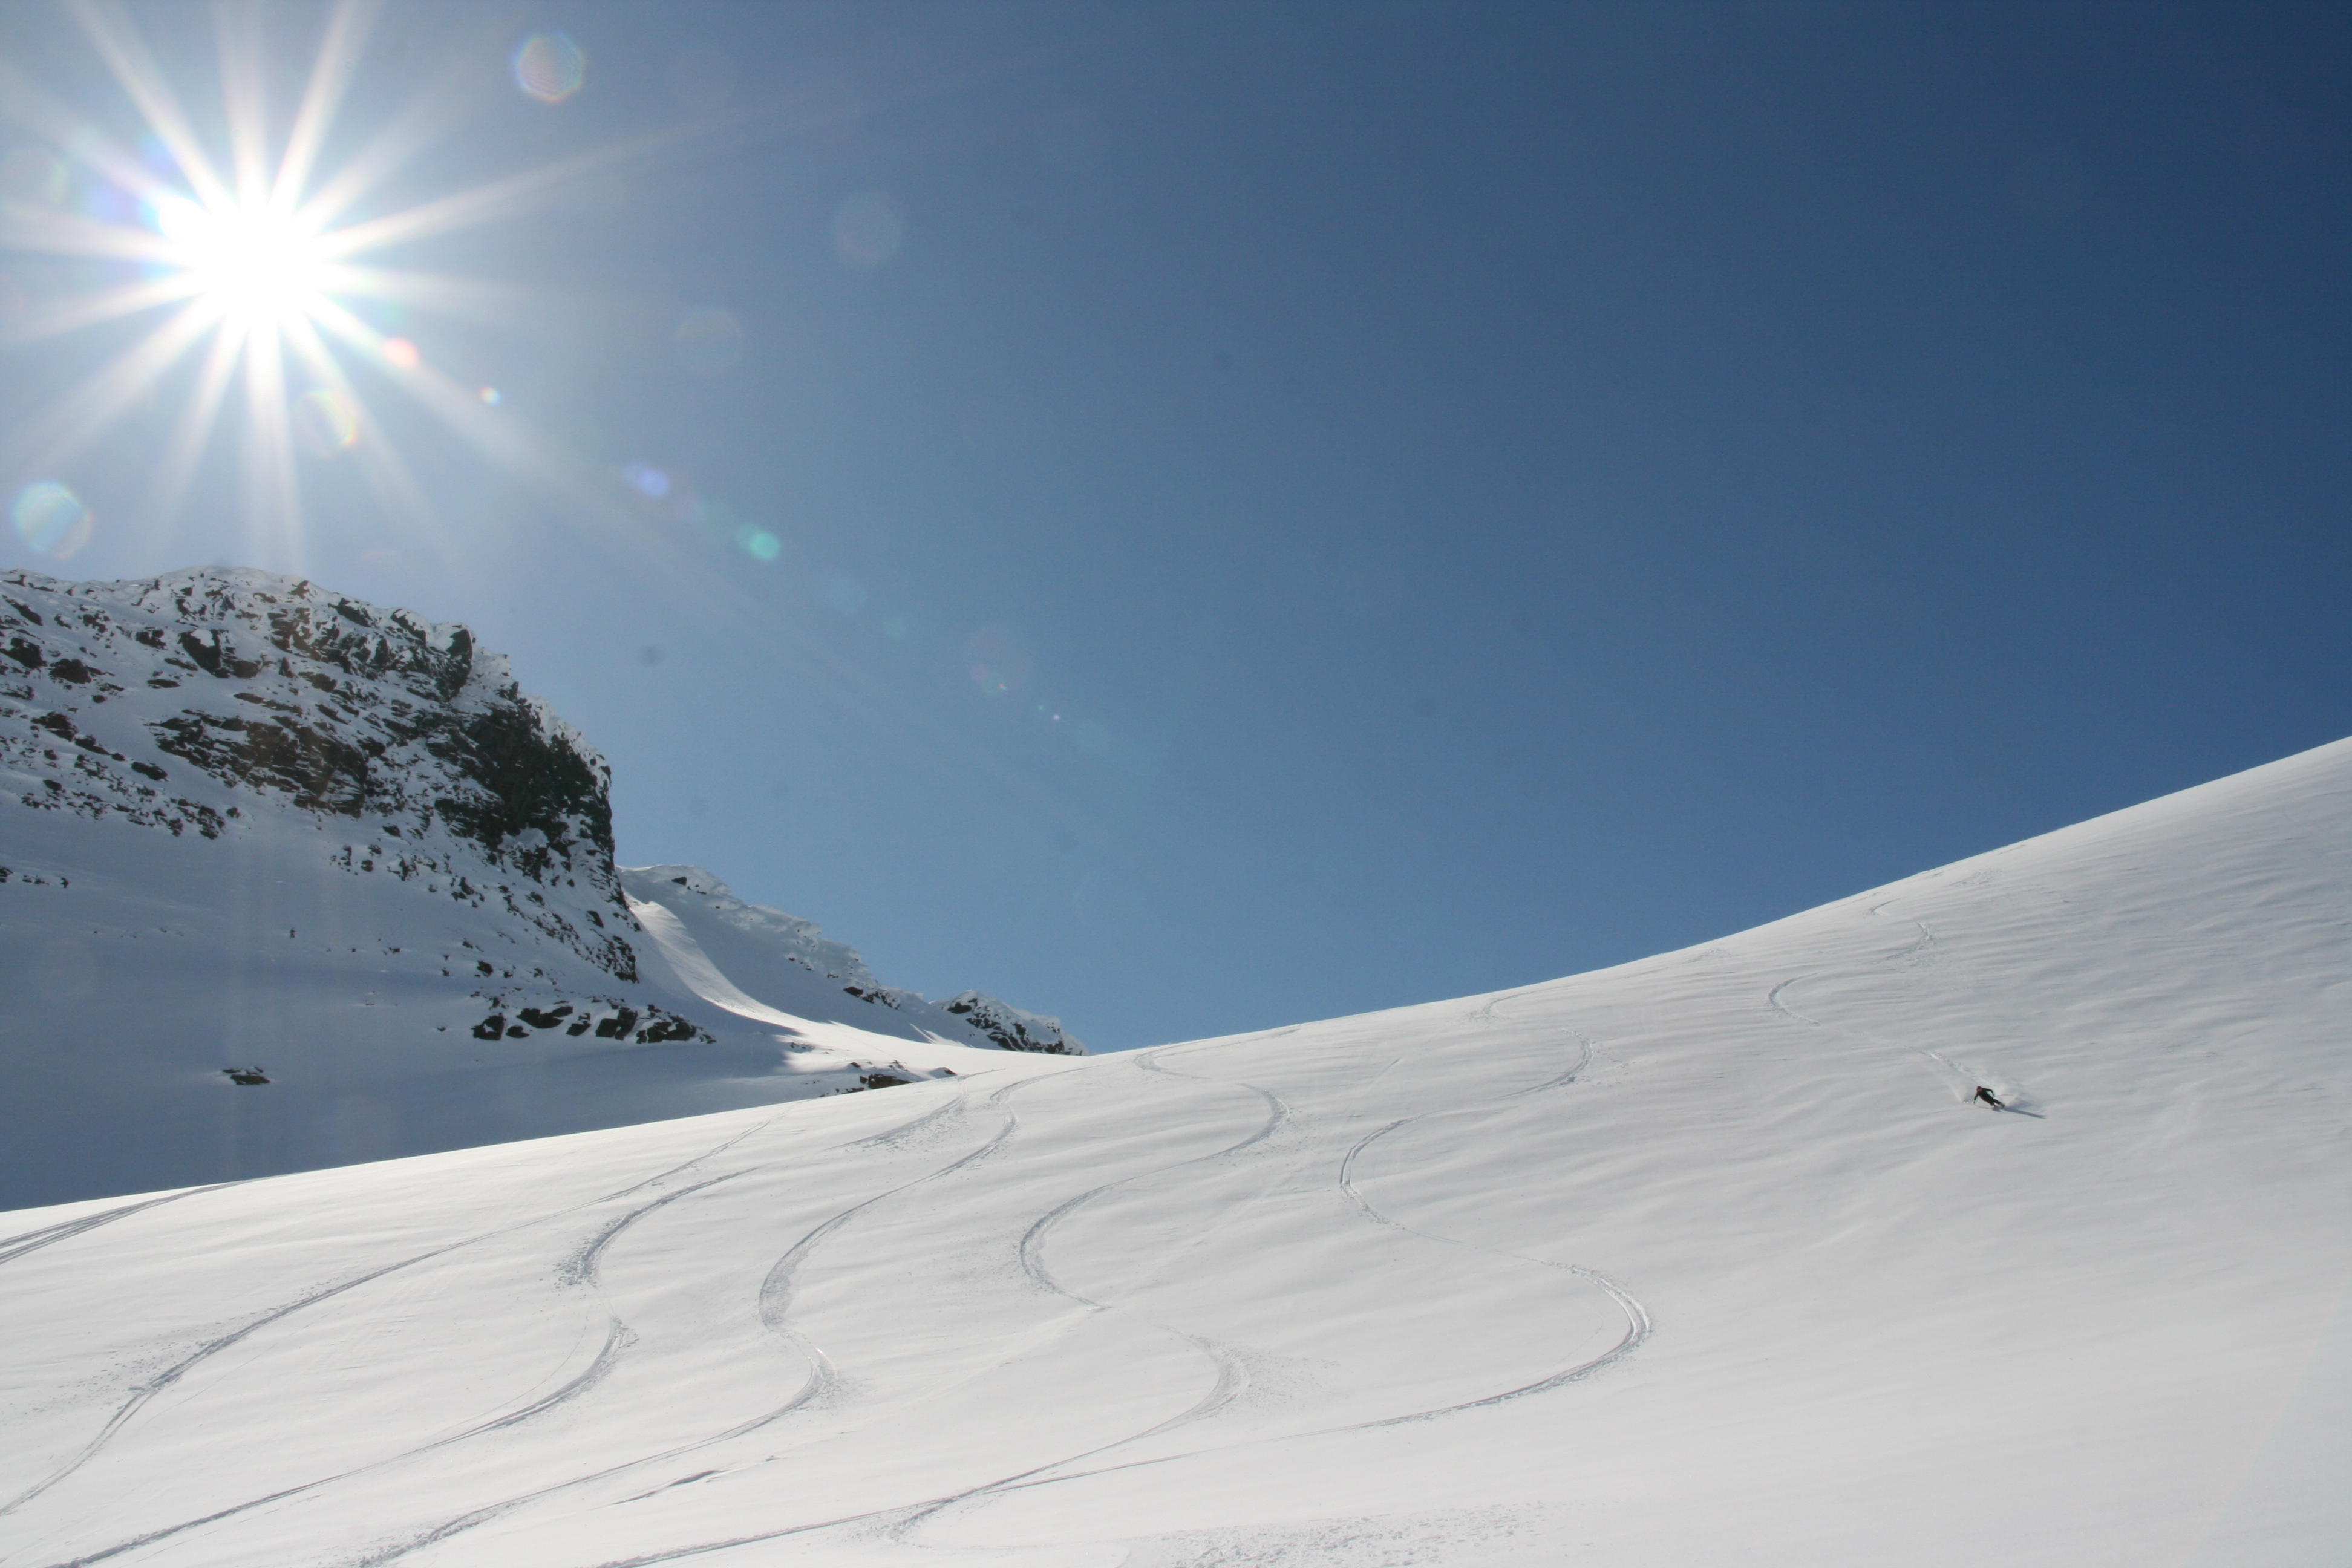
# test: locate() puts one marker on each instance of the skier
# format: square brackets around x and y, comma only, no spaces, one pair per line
[1989,1098]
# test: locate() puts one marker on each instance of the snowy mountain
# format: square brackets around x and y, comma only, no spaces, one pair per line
[288,879]
[787,964]
[1715,1257]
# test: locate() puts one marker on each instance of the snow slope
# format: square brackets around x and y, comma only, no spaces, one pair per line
[1704,1259]
[246,822]
[786,964]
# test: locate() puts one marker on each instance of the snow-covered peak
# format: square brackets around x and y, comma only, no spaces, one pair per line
[220,701]
[802,940]
[789,964]
[299,879]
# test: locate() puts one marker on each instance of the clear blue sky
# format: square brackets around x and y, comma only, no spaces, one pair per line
[1200,517]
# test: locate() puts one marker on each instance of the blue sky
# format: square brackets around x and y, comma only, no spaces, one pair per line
[1197,518]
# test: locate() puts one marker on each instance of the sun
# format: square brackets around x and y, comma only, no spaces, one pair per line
[254,266]
[247,248]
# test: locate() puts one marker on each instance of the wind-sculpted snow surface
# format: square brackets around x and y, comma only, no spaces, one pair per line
[1710,1258]
[289,880]
[787,963]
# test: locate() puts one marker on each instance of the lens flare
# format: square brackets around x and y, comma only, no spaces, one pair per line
[757,543]
[549,66]
[51,520]
[325,422]
[259,260]
[999,660]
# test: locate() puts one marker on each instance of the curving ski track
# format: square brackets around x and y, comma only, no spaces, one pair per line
[1775,999]
[1230,1376]
[582,1262]
[14,1246]
[903,1519]
[578,1269]
[774,1304]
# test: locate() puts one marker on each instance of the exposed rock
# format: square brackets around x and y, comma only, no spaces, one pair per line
[1012,1028]
[321,741]
[335,708]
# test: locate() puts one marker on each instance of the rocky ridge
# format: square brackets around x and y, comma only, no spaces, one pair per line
[221,703]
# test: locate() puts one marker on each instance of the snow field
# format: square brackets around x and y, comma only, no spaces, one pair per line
[1703,1259]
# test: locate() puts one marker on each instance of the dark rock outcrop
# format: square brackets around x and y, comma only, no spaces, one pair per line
[286,696]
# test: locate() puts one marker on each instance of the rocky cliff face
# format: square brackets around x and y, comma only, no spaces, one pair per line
[288,879]
[239,706]
[189,703]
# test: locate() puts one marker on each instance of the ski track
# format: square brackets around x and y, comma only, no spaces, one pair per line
[1638,1324]
[773,1305]
[617,1339]
[14,1246]
[579,1268]
[1231,1376]
[904,1517]
[1229,1379]
[1774,999]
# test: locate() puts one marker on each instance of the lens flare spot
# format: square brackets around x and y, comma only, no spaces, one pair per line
[647,481]
[51,520]
[491,395]
[998,660]
[549,66]
[757,543]
[867,229]
[400,351]
[325,422]
[707,341]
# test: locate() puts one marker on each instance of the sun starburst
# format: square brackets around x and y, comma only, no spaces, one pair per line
[250,264]
[255,260]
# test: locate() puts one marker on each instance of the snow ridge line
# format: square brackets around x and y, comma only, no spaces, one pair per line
[774,1302]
